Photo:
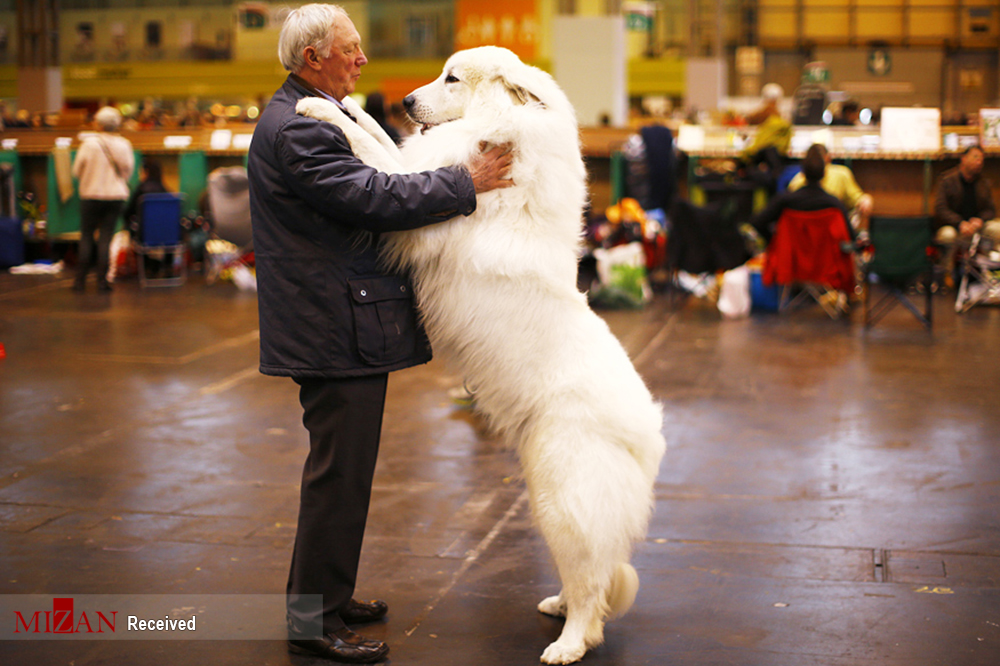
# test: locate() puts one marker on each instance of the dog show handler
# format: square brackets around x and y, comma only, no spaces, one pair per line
[330,318]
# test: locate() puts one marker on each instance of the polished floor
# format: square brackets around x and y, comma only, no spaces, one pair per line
[829,497]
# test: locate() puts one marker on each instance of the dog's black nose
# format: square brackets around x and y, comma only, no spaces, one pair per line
[409,101]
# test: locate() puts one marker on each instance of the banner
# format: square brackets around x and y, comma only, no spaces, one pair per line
[512,24]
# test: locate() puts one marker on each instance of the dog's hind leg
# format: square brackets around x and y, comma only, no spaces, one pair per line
[554,606]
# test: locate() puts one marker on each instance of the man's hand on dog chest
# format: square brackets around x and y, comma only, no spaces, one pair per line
[490,168]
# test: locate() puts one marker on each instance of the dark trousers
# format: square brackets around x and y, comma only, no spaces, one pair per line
[96,215]
[344,420]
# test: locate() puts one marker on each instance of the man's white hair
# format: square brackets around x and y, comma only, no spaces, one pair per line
[108,118]
[309,25]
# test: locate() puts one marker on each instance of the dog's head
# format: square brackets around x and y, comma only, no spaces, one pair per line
[488,77]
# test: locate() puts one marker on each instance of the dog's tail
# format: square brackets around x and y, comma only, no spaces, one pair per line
[624,587]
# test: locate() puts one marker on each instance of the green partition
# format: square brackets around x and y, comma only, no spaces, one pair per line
[64,217]
[193,171]
[12,158]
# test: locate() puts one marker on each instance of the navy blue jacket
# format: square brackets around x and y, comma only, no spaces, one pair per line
[326,307]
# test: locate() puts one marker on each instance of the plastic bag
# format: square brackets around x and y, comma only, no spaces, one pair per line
[734,295]
[622,277]
[123,261]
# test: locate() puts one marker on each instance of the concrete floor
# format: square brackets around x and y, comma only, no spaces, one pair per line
[829,497]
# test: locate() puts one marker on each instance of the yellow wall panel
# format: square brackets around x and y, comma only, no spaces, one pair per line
[776,24]
[880,24]
[826,25]
[932,23]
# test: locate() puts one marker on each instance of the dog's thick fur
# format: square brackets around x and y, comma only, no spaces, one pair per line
[499,299]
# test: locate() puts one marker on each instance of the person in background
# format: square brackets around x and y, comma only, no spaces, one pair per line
[964,206]
[839,181]
[376,108]
[150,182]
[765,156]
[811,196]
[103,165]
[331,317]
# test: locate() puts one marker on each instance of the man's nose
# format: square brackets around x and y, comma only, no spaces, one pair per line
[362,58]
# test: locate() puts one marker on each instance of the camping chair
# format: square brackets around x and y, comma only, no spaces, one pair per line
[702,242]
[229,202]
[898,254]
[981,278]
[160,233]
[811,251]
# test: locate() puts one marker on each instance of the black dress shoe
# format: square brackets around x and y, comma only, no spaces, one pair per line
[342,645]
[360,612]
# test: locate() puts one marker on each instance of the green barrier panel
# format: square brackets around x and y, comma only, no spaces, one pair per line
[61,216]
[64,217]
[12,158]
[193,172]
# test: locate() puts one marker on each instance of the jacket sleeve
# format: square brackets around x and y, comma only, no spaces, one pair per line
[82,155]
[987,211]
[943,214]
[318,164]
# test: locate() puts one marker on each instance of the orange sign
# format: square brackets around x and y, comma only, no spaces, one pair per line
[512,24]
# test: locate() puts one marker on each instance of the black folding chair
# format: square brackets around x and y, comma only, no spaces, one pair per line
[898,257]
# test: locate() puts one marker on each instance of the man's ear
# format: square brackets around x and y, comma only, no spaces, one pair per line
[312,59]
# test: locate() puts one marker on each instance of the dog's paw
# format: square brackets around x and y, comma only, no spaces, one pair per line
[561,653]
[553,606]
[317,108]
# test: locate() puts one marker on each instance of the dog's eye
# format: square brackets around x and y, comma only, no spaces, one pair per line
[451,78]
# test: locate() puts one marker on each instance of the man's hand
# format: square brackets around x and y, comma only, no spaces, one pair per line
[970,226]
[490,170]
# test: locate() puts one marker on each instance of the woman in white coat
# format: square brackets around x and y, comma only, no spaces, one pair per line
[103,165]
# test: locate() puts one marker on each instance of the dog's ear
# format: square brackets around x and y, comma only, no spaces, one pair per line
[518,81]
[520,95]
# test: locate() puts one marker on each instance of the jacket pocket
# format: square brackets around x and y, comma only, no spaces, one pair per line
[385,319]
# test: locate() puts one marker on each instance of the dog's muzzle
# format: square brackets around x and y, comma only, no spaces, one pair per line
[408,103]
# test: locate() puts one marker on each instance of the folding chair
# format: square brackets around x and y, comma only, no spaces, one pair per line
[229,202]
[702,241]
[981,278]
[811,251]
[898,255]
[160,232]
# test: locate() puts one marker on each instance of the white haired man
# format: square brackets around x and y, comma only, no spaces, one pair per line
[331,318]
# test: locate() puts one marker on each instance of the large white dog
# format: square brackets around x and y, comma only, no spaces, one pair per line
[499,299]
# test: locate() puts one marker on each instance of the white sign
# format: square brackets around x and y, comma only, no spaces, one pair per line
[691,138]
[221,139]
[910,130]
[242,141]
[179,141]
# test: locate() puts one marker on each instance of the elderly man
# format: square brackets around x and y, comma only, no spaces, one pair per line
[330,317]
[964,206]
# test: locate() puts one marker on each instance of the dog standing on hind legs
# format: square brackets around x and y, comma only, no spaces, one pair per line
[497,292]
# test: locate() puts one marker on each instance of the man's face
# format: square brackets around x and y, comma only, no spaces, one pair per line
[339,70]
[972,163]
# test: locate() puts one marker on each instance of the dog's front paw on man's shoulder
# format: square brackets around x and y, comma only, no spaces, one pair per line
[317,108]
